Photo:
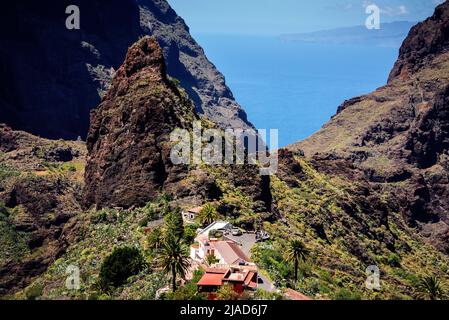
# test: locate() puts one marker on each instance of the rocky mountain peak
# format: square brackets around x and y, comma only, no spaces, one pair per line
[424,41]
[145,54]
[128,139]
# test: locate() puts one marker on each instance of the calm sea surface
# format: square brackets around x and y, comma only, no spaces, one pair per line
[295,87]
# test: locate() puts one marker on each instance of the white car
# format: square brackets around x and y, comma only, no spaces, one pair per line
[236,232]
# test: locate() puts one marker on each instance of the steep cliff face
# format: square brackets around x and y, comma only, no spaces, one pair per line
[398,135]
[129,138]
[425,40]
[51,77]
[187,62]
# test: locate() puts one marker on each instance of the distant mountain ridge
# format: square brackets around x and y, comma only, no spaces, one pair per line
[399,134]
[389,35]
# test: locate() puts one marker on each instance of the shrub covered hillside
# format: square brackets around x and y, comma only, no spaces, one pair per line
[345,226]
[333,227]
[40,189]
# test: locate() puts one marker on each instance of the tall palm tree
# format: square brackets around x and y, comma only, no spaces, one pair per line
[297,252]
[207,215]
[174,258]
[156,239]
[430,288]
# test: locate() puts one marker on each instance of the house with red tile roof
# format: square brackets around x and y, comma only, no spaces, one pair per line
[226,252]
[241,278]
[295,295]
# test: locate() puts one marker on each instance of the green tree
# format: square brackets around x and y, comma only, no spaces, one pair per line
[207,215]
[174,258]
[227,293]
[156,239]
[211,259]
[121,264]
[297,252]
[430,288]
[174,224]
[190,233]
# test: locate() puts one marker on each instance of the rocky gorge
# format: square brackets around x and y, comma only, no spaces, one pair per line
[370,188]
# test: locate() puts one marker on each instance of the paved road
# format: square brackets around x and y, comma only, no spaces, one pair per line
[267,285]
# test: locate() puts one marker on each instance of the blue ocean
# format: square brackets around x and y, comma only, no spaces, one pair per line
[292,86]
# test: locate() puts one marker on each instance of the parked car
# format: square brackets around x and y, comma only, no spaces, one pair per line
[236,232]
[262,236]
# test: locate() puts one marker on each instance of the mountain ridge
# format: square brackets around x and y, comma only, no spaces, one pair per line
[398,134]
[50,84]
[389,35]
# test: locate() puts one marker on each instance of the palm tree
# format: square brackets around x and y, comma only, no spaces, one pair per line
[156,239]
[174,258]
[430,288]
[174,224]
[207,215]
[297,252]
[211,260]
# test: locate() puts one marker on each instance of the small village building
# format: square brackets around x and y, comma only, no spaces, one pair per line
[226,252]
[190,215]
[216,226]
[241,278]
[295,295]
[233,267]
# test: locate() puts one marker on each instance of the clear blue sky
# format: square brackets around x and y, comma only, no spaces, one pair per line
[270,17]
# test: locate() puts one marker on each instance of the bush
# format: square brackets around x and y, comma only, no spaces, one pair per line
[3,210]
[99,217]
[121,264]
[394,260]
[190,233]
[227,293]
[346,294]
[33,292]
[189,291]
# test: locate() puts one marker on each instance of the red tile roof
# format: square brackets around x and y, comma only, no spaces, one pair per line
[230,252]
[216,270]
[295,295]
[249,277]
[195,210]
[211,279]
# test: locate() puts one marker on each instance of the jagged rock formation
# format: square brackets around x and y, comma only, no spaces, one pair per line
[51,77]
[129,140]
[187,62]
[398,135]
[425,40]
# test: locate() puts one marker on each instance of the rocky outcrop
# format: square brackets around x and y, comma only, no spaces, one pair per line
[129,138]
[429,138]
[398,135]
[425,40]
[187,62]
[129,142]
[52,77]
